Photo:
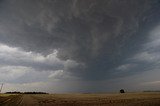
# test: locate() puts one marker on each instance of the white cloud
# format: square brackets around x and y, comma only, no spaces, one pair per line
[9,73]
[15,55]
[151,83]
[51,86]
[56,74]
[21,70]
[146,56]
[126,67]
[32,86]
[61,75]
[18,57]
[153,39]
[150,51]
[155,33]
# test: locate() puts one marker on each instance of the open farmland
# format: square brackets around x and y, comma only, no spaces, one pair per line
[127,99]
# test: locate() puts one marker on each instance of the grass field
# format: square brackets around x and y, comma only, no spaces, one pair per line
[126,99]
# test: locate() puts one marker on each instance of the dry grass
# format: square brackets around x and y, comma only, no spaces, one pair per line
[9,99]
[126,99]
[5,95]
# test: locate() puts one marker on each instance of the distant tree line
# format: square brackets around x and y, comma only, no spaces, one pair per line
[152,91]
[16,92]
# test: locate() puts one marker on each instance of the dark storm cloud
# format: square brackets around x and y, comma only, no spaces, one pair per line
[100,34]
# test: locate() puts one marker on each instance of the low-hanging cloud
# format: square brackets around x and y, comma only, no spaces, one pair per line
[17,57]
[88,39]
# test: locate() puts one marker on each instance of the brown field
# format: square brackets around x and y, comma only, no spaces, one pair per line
[116,99]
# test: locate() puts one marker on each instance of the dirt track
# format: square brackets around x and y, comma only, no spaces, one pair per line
[128,99]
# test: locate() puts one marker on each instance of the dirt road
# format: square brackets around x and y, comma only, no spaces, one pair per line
[127,99]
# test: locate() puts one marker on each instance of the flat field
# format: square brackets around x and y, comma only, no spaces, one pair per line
[115,99]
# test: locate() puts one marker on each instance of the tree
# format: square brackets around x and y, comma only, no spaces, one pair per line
[122,91]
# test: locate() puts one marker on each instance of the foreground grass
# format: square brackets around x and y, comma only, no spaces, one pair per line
[127,99]
[6,95]
[9,99]
[117,99]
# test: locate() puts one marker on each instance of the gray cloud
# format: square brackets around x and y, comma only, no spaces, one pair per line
[17,57]
[94,39]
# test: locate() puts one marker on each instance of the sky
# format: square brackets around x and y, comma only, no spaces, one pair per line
[63,46]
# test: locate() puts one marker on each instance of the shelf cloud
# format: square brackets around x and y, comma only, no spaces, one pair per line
[85,41]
